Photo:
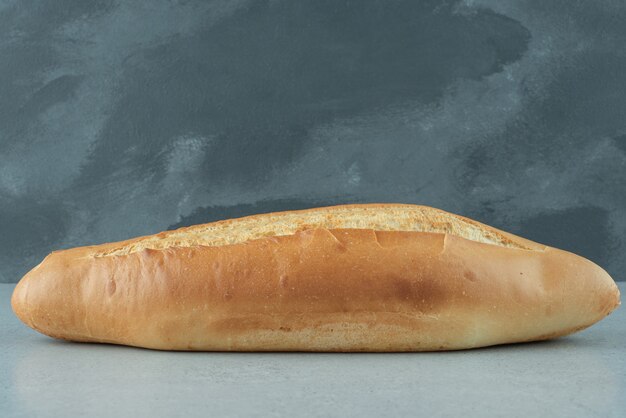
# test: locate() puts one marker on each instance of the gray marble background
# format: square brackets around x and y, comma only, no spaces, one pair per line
[124,118]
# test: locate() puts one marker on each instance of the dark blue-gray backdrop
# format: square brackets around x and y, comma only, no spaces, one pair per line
[123,118]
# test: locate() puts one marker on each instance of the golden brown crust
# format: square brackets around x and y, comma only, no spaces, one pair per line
[318,289]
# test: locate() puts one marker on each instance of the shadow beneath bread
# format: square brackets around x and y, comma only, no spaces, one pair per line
[568,343]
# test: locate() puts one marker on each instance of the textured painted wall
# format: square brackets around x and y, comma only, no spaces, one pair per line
[120,119]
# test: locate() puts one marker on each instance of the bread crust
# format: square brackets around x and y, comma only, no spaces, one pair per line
[318,289]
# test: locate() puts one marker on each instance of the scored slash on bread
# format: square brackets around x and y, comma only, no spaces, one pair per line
[378,217]
[372,277]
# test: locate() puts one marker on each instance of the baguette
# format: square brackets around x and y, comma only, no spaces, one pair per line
[372,277]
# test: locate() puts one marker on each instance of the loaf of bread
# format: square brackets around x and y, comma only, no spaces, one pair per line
[374,277]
